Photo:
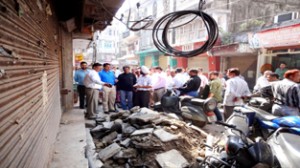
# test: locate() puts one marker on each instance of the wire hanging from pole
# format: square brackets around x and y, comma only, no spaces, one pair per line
[161,40]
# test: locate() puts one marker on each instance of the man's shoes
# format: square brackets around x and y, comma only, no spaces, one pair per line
[81,107]
[106,112]
[113,111]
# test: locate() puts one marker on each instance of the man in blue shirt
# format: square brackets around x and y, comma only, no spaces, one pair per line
[109,91]
[79,78]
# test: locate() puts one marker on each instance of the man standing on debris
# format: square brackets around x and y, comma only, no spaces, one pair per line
[191,87]
[109,91]
[125,84]
[93,83]
[236,89]
[159,84]
[79,78]
[215,91]
[143,87]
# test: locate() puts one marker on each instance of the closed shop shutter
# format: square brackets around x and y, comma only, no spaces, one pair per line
[163,62]
[148,61]
[247,66]
[30,108]
[199,62]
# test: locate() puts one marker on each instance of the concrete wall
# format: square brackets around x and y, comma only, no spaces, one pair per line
[265,10]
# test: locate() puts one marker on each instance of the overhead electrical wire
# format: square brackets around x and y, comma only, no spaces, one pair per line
[160,39]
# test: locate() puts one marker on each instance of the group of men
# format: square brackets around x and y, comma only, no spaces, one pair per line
[90,82]
[143,86]
[285,88]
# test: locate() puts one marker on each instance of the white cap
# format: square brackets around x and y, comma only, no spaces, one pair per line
[145,70]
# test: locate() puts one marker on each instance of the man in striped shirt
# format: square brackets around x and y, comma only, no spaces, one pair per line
[287,94]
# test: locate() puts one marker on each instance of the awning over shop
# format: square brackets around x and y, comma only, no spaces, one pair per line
[237,49]
[148,51]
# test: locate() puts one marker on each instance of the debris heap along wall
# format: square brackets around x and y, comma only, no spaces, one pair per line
[30,109]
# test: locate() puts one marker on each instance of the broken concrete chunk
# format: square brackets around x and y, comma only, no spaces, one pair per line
[126,142]
[109,151]
[98,128]
[171,159]
[90,123]
[172,115]
[165,136]
[135,109]
[145,115]
[110,137]
[173,127]
[142,131]
[107,125]
[127,129]
[126,154]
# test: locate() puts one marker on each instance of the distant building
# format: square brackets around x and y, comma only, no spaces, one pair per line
[107,43]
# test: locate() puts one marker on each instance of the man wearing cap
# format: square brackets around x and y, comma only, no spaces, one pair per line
[125,84]
[143,87]
[109,91]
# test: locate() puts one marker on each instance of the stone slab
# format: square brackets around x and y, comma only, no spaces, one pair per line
[109,151]
[142,131]
[126,142]
[171,159]
[165,136]
[110,137]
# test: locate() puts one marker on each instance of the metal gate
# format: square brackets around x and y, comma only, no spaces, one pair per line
[30,110]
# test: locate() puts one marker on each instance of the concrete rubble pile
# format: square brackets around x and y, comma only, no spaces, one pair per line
[144,138]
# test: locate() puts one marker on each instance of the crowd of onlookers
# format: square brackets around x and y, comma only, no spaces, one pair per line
[143,87]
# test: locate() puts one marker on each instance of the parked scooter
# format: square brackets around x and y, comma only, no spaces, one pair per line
[239,151]
[267,123]
[198,111]
[285,147]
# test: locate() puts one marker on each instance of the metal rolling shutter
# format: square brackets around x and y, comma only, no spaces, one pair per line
[163,62]
[30,107]
[148,61]
[198,62]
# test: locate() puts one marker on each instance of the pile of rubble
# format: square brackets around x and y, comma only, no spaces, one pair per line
[144,138]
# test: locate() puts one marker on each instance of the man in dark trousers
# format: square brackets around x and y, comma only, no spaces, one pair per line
[143,87]
[125,84]
[79,78]
[191,87]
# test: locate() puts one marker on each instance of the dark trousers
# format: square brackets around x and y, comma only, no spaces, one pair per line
[81,92]
[218,114]
[228,110]
[142,98]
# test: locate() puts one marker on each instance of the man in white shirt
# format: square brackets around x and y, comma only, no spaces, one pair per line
[159,84]
[236,90]
[179,80]
[93,84]
[262,81]
[204,79]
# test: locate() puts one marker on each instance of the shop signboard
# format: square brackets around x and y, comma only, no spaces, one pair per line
[277,37]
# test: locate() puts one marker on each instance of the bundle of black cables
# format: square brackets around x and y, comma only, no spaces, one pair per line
[163,24]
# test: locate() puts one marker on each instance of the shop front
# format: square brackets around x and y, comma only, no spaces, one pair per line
[277,45]
[241,56]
